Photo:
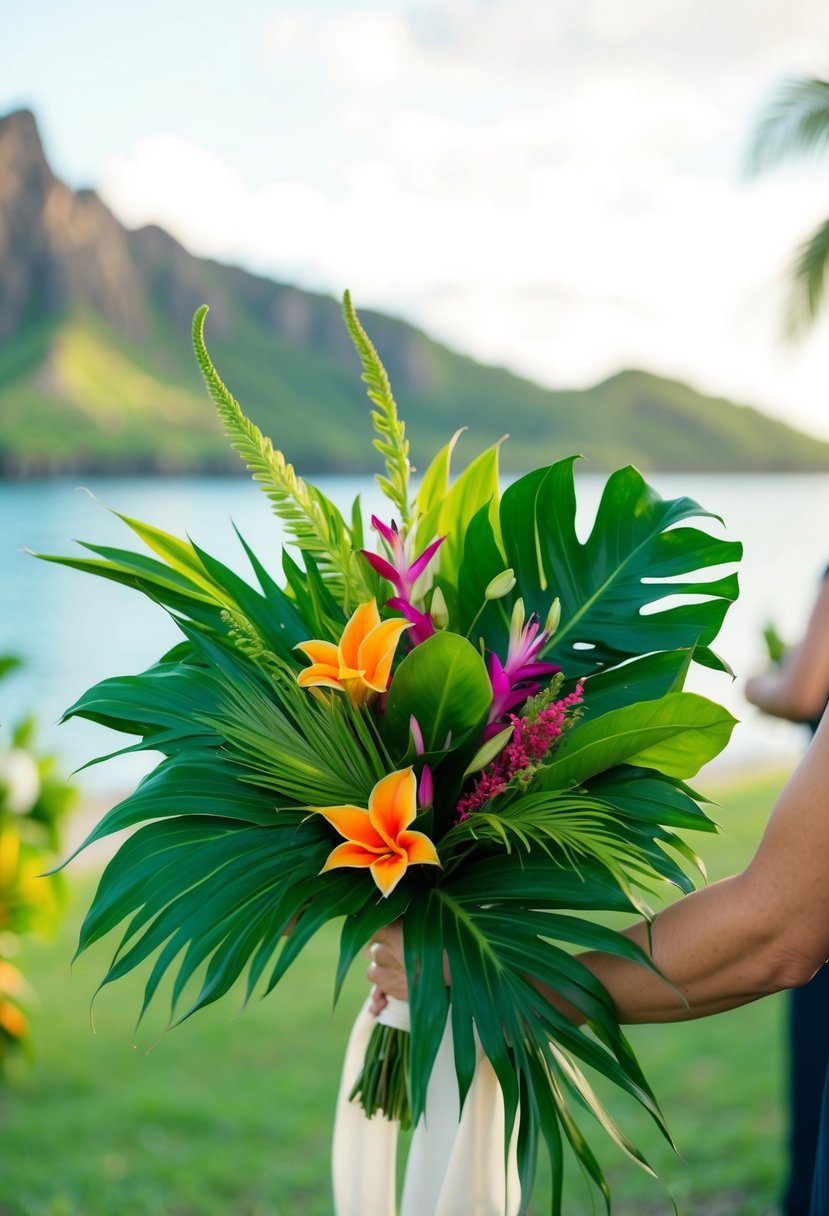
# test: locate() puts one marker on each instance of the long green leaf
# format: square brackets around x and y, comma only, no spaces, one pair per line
[676,735]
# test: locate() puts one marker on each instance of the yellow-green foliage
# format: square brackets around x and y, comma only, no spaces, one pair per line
[110,387]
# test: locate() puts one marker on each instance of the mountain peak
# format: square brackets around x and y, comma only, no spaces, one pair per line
[57,248]
[21,124]
[95,370]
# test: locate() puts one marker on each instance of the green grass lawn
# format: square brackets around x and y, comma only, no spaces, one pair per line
[231,1115]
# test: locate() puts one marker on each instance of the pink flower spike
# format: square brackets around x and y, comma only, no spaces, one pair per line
[425,789]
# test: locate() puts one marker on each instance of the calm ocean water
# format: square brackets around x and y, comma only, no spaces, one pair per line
[74,630]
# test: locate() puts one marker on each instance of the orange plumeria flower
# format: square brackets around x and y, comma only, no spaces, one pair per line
[376,839]
[361,664]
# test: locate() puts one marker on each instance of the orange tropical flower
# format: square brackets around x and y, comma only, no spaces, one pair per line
[376,839]
[12,1020]
[361,664]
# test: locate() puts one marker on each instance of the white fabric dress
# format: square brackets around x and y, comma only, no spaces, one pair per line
[456,1163]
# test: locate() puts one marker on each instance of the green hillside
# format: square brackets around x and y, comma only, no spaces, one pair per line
[96,372]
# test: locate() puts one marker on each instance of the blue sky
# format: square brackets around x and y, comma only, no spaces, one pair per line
[552,186]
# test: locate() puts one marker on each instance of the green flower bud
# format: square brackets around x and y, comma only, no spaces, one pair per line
[438,611]
[501,585]
[517,622]
[553,617]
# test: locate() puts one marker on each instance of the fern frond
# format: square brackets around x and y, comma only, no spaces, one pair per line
[392,442]
[249,642]
[313,522]
[570,828]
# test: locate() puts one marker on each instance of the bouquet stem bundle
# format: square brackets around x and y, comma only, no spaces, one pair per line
[382,1087]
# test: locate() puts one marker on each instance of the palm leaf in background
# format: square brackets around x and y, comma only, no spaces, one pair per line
[808,274]
[795,123]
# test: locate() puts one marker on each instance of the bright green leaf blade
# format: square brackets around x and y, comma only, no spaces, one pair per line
[676,735]
[444,683]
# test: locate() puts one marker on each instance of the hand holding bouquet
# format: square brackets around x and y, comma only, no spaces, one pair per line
[463,716]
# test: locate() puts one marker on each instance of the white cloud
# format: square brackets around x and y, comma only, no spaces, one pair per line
[367,49]
[550,187]
[290,33]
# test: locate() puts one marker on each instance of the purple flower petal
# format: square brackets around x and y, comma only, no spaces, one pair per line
[492,730]
[423,627]
[426,788]
[384,569]
[498,678]
[417,734]
[533,671]
[387,533]
[419,564]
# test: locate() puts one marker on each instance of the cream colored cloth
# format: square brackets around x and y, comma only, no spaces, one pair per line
[456,1164]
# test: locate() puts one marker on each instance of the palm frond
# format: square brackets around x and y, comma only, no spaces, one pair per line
[500,939]
[313,522]
[312,751]
[392,442]
[569,829]
[808,282]
[795,122]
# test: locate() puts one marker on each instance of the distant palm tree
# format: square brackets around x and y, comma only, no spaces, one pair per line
[797,121]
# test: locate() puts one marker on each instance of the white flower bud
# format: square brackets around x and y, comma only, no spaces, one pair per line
[438,611]
[553,617]
[19,781]
[501,585]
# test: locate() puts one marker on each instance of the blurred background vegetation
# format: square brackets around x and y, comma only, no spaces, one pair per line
[34,802]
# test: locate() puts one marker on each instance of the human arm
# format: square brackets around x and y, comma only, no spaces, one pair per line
[760,931]
[755,933]
[798,687]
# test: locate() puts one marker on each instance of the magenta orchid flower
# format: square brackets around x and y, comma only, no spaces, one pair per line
[400,573]
[403,575]
[517,679]
[422,624]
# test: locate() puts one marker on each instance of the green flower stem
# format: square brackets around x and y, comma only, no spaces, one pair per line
[476,618]
[383,1084]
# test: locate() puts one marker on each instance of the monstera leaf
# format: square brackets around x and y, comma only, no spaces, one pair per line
[610,585]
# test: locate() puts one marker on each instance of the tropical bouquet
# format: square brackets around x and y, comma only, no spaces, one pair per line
[463,716]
